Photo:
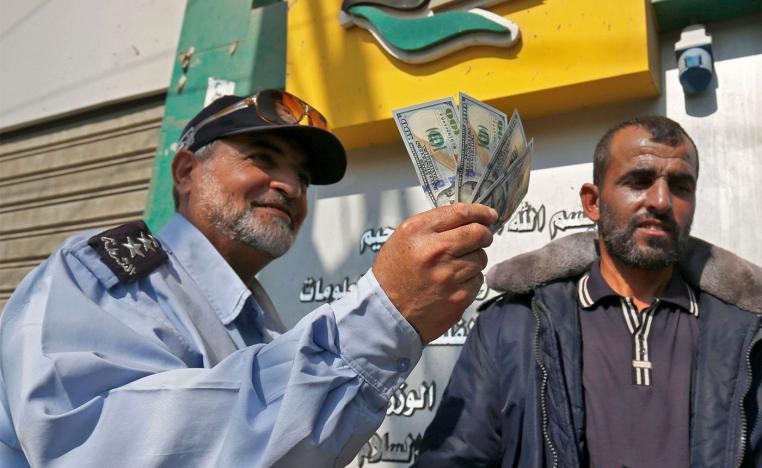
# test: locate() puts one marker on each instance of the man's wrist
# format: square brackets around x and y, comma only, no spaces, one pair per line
[376,340]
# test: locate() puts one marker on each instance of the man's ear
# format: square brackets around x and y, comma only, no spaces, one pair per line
[590,198]
[182,167]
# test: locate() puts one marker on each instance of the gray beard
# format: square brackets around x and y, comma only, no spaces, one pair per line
[241,225]
[658,254]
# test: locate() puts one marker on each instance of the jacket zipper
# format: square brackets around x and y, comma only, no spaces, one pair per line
[742,441]
[543,388]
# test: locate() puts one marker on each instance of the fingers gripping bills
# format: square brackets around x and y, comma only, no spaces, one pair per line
[469,155]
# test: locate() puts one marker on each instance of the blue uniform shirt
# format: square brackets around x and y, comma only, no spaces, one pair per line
[96,372]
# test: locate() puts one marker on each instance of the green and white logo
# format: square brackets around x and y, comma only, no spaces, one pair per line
[418,31]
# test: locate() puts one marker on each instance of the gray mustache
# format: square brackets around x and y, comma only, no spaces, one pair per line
[276,198]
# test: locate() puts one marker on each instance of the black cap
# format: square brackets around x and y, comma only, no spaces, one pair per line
[326,158]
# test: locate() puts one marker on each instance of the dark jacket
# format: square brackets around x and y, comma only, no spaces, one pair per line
[515,396]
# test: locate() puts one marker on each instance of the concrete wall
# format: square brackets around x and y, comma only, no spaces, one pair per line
[60,57]
[81,102]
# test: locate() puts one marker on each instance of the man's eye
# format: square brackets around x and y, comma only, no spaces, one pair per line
[305,180]
[682,187]
[262,159]
[641,182]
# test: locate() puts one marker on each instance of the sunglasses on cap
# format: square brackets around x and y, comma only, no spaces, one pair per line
[273,106]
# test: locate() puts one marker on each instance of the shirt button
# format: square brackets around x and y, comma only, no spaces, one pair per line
[403,364]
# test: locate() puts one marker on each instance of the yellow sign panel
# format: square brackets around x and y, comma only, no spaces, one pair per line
[571,54]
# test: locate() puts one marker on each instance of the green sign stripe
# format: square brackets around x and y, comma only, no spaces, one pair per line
[677,14]
[418,34]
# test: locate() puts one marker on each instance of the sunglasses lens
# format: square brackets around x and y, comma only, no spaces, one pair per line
[282,108]
[293,106]
[278,107]
[316,119]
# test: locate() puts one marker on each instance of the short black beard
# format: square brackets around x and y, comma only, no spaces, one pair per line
[660,253]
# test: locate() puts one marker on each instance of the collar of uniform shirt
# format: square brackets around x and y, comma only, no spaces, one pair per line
[592,288]
[225,291]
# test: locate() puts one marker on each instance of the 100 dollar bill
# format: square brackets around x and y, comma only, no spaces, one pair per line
[506,193]
[512,145]
[482,126]
[431,133]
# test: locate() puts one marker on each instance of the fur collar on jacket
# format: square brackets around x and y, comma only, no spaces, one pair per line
[705,266]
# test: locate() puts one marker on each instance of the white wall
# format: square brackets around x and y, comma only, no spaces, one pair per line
[725,122]
[60,56]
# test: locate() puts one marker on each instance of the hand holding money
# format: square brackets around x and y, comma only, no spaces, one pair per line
[472,155]
[431,267]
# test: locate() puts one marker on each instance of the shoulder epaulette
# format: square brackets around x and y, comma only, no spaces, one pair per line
[130,251]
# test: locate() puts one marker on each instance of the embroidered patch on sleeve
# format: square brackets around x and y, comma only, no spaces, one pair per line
[130,251]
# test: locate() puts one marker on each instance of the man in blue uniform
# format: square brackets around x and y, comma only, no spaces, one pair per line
[129,348]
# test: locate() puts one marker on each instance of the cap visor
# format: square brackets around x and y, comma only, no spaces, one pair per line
[326,157]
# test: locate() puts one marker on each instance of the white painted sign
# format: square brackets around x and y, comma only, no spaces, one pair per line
[216,88]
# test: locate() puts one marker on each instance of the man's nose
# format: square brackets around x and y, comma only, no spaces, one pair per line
[287,182]
[659,197]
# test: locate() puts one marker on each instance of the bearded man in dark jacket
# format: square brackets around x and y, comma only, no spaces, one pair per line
[641,348]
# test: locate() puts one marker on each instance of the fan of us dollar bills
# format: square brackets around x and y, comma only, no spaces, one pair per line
[470,155]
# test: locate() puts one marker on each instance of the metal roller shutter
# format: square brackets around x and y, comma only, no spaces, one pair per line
[87,171]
